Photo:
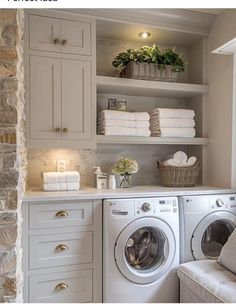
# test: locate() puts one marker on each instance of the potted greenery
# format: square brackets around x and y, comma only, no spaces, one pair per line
[150,63]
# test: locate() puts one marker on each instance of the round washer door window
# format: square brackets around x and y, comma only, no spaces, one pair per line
[211,234]
[145,250]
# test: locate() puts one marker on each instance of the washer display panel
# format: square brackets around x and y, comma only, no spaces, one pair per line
[145,253]
[211,234]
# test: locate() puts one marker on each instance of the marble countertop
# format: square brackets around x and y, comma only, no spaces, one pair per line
[35,195]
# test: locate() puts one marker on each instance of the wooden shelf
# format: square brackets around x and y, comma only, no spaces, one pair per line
[116,85]
[103,139]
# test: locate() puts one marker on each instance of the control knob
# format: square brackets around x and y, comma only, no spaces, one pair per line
[220,202]
[146,207]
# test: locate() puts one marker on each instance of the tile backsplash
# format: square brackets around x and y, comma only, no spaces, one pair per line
[84,161]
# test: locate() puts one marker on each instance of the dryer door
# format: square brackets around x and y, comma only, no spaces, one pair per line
[145,250]
[211,234]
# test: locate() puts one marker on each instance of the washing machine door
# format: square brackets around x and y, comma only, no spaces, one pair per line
[211,234]
[145,250]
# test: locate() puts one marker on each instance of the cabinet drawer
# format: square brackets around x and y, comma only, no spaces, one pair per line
[69,287]
[60,249]
[66,214]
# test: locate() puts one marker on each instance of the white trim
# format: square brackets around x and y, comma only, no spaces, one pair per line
[227,48]
[233,152]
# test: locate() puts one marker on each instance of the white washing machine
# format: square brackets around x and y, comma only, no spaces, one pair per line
[140,250]
[206,222]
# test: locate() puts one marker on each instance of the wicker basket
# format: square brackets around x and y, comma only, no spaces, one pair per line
[179,176]
[148,71]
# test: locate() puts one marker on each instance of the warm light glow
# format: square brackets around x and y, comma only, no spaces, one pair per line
[144,35]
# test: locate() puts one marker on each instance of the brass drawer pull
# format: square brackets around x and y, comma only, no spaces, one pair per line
[65,130]
[62,213]
[62,247]
[64,42]
[56,41]
[61,286]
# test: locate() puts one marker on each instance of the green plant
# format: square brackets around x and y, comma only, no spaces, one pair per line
[170,57]
[151,54]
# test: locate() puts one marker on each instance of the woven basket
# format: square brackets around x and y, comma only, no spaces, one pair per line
[179,176]
[148,71]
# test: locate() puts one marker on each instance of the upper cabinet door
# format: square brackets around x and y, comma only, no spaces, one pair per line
[45,34]
[45,98]
[76,100]
[75,37]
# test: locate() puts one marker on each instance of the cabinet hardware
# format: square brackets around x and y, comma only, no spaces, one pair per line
[62,247]
[62,213]
[65,130]
[56,41]
[64,42]
[57,129]
[61,286]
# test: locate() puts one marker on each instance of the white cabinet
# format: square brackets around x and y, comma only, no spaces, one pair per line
[62,244]
[60,80]
[60,99]
[58,35]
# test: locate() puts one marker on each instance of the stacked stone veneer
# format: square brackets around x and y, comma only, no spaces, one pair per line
[12,152]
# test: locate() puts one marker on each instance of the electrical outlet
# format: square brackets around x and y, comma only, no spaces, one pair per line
[61,165]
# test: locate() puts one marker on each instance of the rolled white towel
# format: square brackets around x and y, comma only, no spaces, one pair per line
[123,123]
[172,113]
[124,131]
[61,186]
[174,132]
[172,122]
[110,114]
[61,177]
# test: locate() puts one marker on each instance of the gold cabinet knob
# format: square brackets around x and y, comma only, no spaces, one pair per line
[62,247]
[64,42]
[56,41]
[61,286]
[65,130]
[57,129]
[62,213]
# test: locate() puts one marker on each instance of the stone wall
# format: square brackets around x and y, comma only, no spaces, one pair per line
[12,152]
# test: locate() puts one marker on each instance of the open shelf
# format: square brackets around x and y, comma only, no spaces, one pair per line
[104,139]
[126,86]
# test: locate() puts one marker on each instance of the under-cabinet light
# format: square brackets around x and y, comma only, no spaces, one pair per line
[144,35]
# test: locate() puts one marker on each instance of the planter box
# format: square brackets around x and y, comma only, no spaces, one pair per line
[148,71]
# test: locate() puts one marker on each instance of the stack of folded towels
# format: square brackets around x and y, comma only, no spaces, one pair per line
[166,122]
[61,181]
[112,122]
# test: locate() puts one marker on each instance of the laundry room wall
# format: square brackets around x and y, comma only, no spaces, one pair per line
[219,104]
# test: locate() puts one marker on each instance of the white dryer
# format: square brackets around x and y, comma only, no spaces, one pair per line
[206,222]
[140,250]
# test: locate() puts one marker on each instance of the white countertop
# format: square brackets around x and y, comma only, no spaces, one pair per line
[35,195]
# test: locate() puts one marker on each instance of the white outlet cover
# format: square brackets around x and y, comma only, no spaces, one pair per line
[61,165]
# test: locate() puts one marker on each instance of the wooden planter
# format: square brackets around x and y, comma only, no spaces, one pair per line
[148,71]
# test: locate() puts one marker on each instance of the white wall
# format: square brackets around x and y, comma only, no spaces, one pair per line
[219,103]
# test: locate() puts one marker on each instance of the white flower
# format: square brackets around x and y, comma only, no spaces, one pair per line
[125,166]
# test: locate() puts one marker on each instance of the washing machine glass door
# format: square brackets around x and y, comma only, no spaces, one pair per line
[145,250]
[211,234]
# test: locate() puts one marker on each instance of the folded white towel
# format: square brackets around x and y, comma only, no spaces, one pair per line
[172,113]
[174,132]
[124,131]
[110,114]
[172,122]
[61,186]
[123,123]
[61,177]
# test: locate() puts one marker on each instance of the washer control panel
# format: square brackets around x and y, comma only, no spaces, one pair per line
[156,206]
